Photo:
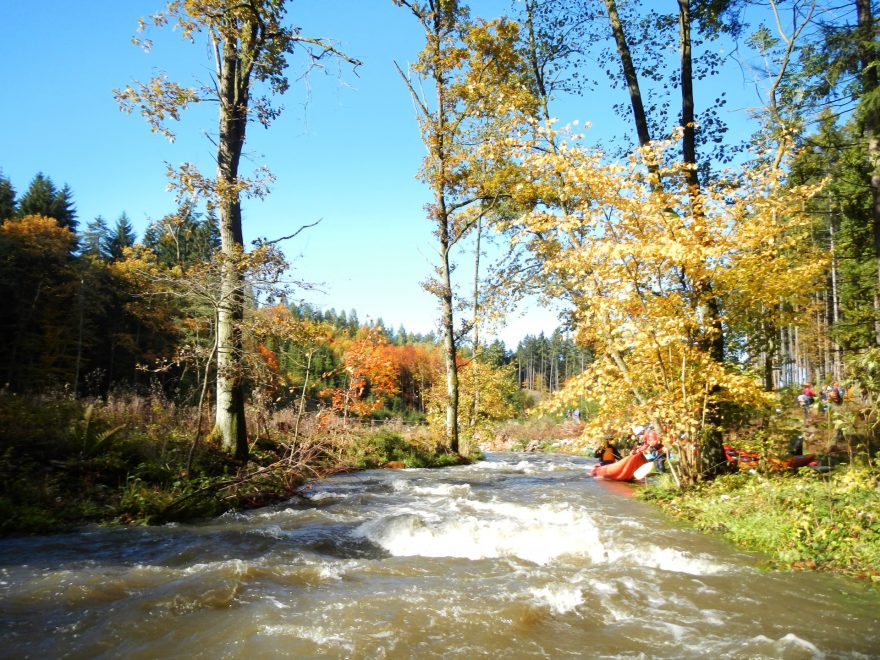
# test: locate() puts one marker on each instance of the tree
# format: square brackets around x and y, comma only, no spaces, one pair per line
[823,99]
[418,369]
[183,238]
[37,285]
[43,198]
[7,198]
[94,240]
[633,259]
[497,390]
[120,237]
[867,49]
[475,79]
[654,33]
[843,224]
[369,375]
[251,45]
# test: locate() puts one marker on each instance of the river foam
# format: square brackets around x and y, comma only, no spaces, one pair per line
[479,530]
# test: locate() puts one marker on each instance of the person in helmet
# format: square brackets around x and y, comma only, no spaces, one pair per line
[652,449]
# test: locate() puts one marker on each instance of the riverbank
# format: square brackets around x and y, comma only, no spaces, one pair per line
[66,463]
[804,520]
[134,460]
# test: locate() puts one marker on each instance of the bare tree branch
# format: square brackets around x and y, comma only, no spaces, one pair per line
[261,241]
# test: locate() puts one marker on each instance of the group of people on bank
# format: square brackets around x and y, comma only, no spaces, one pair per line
[832,393]
[621,456]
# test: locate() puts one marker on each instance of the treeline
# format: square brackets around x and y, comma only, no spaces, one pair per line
[543,363]
[348,321]
[841,337]
[95,311]
[72,318]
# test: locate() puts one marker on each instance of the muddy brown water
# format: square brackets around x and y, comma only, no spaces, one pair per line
[521,555]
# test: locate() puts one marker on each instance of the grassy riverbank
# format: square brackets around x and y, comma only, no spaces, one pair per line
[140,460]
[804,520]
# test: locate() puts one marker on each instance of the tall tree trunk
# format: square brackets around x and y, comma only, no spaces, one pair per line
[688,121]
[823,357]
[629,73]
[835,298]
[712,452]
[475,404]
[445,228]
[448,322]
[230,416]
[543,369]
[785,357]
[768,335]
[866,37]
[80,311]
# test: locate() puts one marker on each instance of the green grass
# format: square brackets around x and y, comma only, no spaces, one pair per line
[384,446]
[802,520]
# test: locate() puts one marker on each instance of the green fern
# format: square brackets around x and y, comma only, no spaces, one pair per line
[90,439]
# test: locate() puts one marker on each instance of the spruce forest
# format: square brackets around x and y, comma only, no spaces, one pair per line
[705,274]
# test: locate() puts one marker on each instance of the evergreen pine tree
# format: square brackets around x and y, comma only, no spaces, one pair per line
[7,198]
[43,198]
[39,197]
[119,238]
[95,238]
[63,209]
[183,238]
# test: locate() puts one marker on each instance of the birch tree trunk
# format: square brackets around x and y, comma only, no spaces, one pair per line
[230,416]
[475,406]
[448,322]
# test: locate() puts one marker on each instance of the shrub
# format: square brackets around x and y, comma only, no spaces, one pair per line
[803,519]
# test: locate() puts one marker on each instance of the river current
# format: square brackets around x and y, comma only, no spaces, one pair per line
[520,555]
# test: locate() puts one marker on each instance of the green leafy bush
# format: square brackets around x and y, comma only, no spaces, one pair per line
[384,446]
[805,519]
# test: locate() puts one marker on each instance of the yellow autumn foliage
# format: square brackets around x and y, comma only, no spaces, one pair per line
[486,390]
[654,271]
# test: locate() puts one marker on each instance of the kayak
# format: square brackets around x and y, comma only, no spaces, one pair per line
[750,459]
[794,461]
[622,470]
[741,457]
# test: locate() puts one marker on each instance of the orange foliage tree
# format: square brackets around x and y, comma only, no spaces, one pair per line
[419,368]
[370,375]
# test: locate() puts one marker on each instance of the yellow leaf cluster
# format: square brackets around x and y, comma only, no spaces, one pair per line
[655,270]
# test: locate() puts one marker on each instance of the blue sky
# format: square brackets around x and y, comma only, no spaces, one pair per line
[345,151]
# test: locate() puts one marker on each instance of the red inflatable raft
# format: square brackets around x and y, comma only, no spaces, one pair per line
[622,470]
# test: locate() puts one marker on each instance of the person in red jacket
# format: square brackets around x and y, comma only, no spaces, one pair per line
[810,394]
[652,448]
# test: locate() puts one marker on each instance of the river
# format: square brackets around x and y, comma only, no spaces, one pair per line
[520,555]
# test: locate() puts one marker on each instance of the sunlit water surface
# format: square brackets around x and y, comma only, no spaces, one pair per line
[521,555]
